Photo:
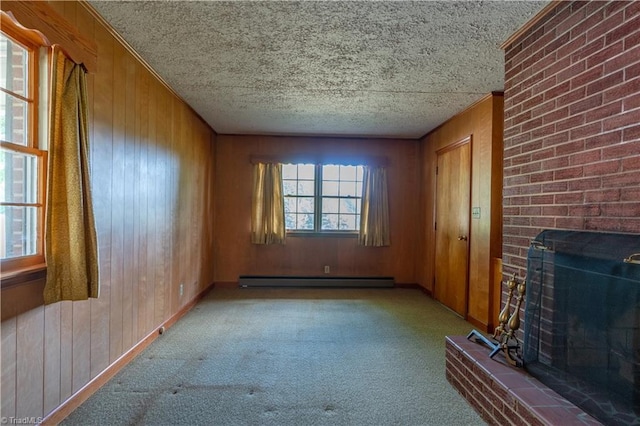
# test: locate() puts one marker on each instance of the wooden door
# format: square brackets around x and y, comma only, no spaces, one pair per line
[453,192]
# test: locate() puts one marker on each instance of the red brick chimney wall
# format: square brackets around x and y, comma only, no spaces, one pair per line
[572,125]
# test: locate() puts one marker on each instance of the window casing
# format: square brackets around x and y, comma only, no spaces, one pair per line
[322,198]
[22,159]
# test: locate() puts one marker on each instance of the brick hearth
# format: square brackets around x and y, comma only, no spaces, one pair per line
[504,395]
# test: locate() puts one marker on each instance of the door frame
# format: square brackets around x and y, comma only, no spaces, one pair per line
[450,147]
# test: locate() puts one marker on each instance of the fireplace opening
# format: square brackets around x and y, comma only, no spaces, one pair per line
[582,320]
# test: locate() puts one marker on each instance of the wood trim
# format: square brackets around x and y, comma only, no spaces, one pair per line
[24,296]
[20,269]
[411,286]
[530,23]
[125,44]
[322,159]
[477,323]
[254,281]
[100,20]
[454,145]
[68,406]
[495,293]
[23,275]
[42,18]
[414,286]
[11,25]
[21,148]
[324,135]
[226,284]
[464,111]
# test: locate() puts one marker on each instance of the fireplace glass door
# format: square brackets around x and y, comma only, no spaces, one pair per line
[582,320]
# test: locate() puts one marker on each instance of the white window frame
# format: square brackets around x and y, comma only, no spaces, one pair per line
[319,200]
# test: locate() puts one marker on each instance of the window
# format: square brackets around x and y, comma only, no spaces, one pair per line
[322,198]
[22,162]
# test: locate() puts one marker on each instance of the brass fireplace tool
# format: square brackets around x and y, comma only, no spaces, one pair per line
[504,336]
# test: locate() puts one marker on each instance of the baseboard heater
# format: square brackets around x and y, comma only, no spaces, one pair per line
[246,281]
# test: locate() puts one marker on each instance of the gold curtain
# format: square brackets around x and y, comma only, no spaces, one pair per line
[267,209]
[70,239]
[374,219]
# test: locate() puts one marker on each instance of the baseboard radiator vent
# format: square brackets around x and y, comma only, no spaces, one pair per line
[246,281]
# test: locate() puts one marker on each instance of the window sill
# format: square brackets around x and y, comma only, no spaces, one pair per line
[325,234]
[23,275]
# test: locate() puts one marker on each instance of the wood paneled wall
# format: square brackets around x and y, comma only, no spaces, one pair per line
[483,122]
[152,173]
[234,253]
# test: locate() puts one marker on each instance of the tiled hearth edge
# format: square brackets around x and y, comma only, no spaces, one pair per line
[504,395]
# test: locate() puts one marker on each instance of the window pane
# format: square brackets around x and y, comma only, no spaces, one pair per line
[330,222]
[18,231]
[20,180]
[348,222]
[329,188]
[305,221]
[289,171]
[290,220]
[299,189]
[330,172]
[330,205]
[19,177]
[349,205]
[306,171]
[345,184]
[348,173]
[13,119]
[14,65]
[306,187]
[289,205]
[305,205]
[348,189]
[289,187]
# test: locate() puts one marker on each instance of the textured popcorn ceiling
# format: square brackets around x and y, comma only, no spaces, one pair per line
[388,69]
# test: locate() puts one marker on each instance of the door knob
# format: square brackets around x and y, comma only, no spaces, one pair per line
[462,238]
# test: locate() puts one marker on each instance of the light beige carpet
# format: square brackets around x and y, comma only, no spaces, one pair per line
[292,357]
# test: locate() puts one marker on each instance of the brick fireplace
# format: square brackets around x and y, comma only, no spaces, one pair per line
[572,125]
[571,134]
[504,395]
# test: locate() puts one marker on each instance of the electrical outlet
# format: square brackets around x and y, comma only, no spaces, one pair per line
[327,270]
[181,289]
